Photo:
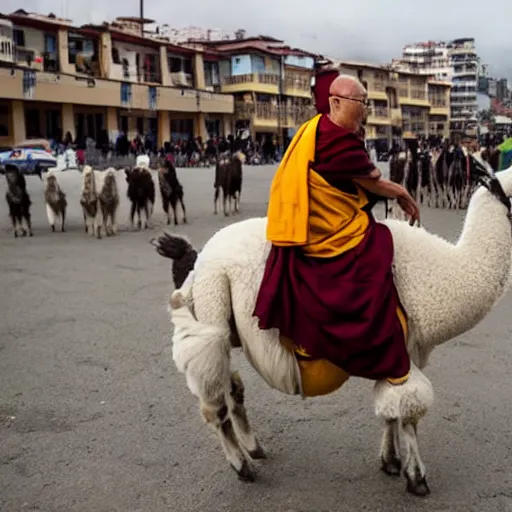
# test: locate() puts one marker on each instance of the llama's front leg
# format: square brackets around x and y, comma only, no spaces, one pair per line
[215,200]
[97,222]
[28,220]
[240,421]
[114,221]
[63,220]
[132,215]
[148,210]
[402,406]
[51,216]
[14,225]
[184,211]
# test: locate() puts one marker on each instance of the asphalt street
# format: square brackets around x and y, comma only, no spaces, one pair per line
[95,418]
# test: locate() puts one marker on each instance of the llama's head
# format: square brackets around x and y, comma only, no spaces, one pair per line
[110,178]
[499,184]
[51,182]
[12,175]
[142,162]
[89,184]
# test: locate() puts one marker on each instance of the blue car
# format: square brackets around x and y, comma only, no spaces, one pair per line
[31,157]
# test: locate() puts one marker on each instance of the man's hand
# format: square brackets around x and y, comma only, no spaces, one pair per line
[409,206]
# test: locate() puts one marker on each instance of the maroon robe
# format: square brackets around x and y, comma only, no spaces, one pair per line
[343,309]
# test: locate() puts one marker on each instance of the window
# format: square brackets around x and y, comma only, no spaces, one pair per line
[18,36]
[211,73]
[50,58]
[126,93]
[115,56]
[258,64]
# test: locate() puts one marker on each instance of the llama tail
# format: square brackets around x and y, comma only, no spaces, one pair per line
[178,249]
[200,351]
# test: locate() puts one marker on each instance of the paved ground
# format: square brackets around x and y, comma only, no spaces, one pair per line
[94,417]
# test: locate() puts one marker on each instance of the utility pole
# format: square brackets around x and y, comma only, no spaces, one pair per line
[279,98]
[142,18]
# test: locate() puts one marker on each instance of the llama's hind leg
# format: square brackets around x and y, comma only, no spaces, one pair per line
[217,415]
[402,406]
[28,220]
[390,449]
[239,417]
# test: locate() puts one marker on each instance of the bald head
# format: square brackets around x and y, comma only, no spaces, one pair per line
[347,102]
[347,85]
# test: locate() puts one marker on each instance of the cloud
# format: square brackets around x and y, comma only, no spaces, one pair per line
[373,30]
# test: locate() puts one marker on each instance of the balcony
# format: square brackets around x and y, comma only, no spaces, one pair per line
[61,88]
[297,84]
[265,115]
[379,116]
[266,83]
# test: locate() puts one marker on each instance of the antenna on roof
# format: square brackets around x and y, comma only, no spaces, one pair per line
[142,18]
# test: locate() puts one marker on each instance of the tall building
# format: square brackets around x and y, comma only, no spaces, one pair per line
[402,104]
[454,61]
[57,78]
[270,81]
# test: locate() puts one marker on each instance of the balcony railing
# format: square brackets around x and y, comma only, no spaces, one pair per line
[418,94]
[379,112]
[403,92]
[378,87]
[290,115]
[262,78]
[438,102]
[296,81]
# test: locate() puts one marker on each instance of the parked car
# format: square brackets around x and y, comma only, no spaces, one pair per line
[32,156]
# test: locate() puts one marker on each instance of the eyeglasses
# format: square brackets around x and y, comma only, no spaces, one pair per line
[365,102]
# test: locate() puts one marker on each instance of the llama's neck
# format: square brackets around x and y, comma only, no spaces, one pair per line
[461,283]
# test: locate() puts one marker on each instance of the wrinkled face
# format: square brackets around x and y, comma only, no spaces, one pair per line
[353,107]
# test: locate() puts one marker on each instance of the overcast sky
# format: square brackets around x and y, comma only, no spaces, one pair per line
[372,30]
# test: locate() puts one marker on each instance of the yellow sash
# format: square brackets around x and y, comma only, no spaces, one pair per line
[305,211]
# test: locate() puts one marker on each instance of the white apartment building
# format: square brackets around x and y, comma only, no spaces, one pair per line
[455,61]
[183,35]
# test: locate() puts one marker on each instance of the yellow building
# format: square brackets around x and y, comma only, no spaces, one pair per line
[402,105]
[57,78]
[271,84]
[439,115]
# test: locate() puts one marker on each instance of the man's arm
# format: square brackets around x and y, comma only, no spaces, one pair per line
[382,187]
[392,190]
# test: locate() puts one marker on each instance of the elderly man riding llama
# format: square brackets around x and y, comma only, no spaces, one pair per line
[328,284]
[309,292]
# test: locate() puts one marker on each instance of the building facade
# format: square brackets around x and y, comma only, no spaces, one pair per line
[271,84]
[456,62]
[57,78]
[402,104]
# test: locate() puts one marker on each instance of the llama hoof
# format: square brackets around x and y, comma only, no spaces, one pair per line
[184,220]
[391,467]
[258,453]
[15,234]
[418,487]
[53,228]
[30,233]
[245,474]
[139,225]
[168,221]
[23,232]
